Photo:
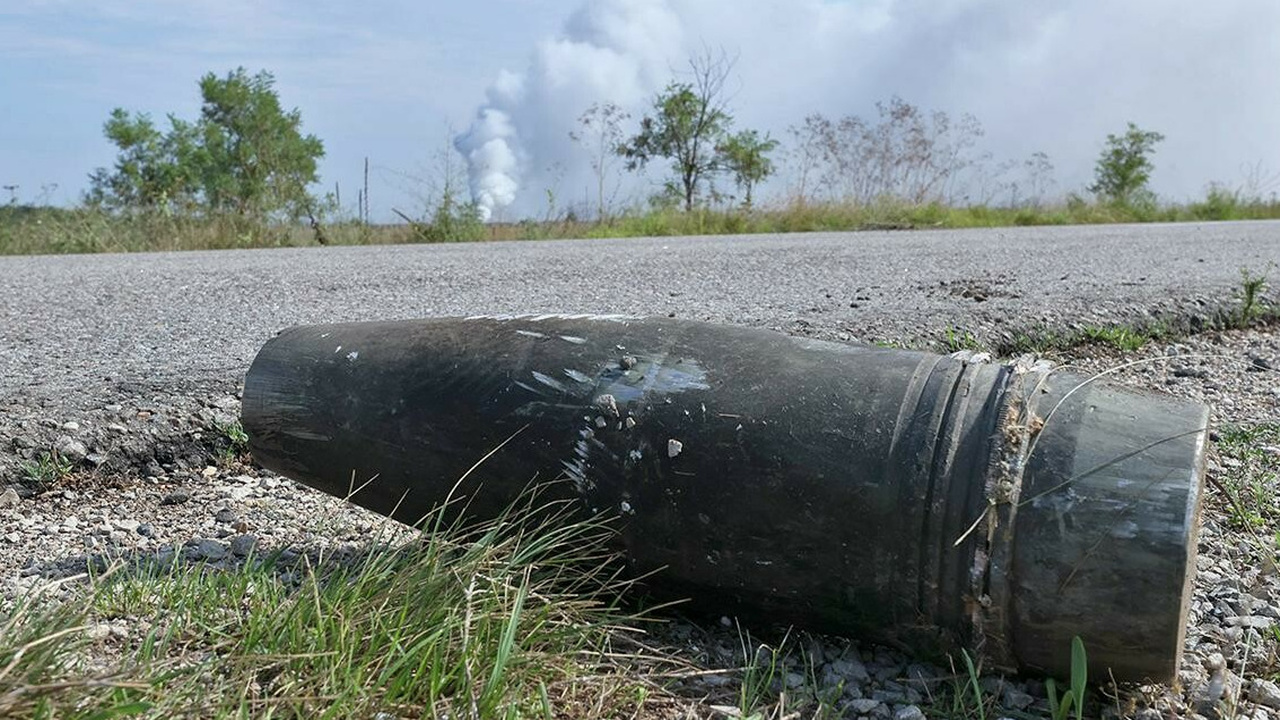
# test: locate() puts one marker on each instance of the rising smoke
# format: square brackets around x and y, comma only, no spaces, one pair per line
[615,51]
[1040,77]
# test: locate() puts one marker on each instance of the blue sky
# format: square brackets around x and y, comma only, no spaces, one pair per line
[378,79]
[388,79]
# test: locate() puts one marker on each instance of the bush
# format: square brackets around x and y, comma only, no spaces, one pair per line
[1219,204]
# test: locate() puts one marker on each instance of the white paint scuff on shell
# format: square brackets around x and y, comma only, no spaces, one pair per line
[552,316]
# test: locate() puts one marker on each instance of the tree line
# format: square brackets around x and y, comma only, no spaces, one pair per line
[247,157]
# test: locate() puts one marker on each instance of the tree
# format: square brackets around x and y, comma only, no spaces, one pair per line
[244,155]
[688,124]
[153,171]
[746,157]
[257,162]
[1124,167]
[600,133]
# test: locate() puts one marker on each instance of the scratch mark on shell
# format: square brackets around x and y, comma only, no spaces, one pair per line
[548,381]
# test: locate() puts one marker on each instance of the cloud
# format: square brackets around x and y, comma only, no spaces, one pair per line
[1040,77]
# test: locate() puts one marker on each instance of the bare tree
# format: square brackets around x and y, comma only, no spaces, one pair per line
[1039,173]
[907,155]
[804,155]
[1259,182]
[600,133]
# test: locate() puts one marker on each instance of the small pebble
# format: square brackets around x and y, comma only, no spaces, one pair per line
[1015,699]
[243,545]
[70,449]
[1265,693]
[910,712]
[209,549]
[863,706]
[176,497]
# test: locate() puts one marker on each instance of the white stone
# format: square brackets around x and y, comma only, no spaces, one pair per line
[1265,693]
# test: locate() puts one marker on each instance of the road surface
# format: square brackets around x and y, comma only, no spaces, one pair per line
[75,326]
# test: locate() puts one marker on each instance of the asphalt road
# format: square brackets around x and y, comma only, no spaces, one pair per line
[71,326]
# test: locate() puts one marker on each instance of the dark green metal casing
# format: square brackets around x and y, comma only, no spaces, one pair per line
[896,496]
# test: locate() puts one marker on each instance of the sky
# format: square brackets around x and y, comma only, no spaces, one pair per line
[497,86]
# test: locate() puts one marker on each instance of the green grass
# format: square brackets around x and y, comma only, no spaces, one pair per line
[957,339]
[1119,336]
[763,691]
[967,699]
[1040,339]
[1250,481]
[45,470]
[49,230]
[511,618]
[232,443]
[36,230]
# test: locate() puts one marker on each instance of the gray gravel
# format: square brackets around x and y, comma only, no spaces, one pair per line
[130,367]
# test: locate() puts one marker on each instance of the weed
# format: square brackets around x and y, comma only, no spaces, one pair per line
[1252,288]
[781,681]
[760,672]
[1036,340]
[1061,708]
[46,470]
[234,441]
[1249,489]
[957,340]
[509,618]
[1121,337]
[972,689]
[1220,203]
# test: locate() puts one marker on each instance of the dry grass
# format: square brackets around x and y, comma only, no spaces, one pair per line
[39,230]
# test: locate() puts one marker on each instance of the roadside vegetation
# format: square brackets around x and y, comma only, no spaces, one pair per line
[243,174]
[520,617]
[511,618]
[1247,306]
[29,230]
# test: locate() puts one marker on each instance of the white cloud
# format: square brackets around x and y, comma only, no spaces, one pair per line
[1052,77]
[384,78]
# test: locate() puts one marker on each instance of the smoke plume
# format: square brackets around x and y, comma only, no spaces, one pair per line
[1053,77]
[617,51]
